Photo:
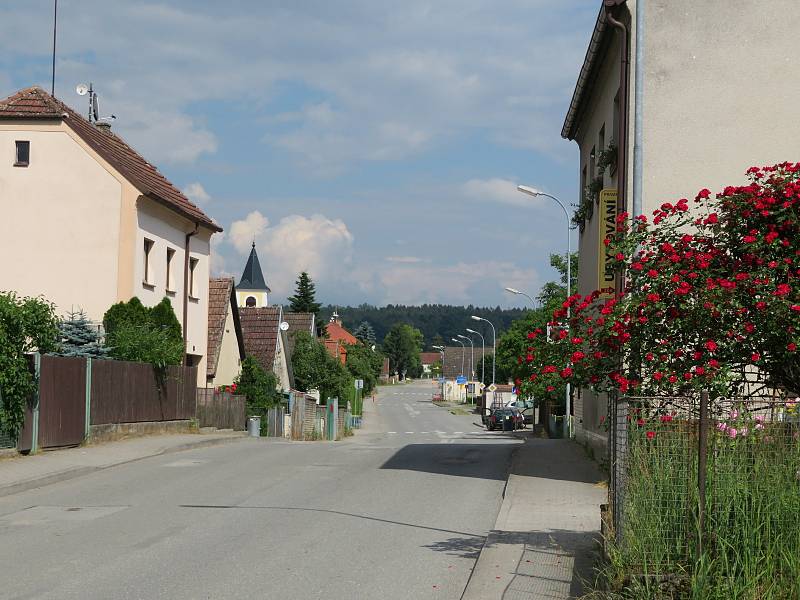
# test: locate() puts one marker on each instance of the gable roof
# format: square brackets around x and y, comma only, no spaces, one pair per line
[35,103]
[253,276]
[598,45]
[260,329]
[428,358]
[221,298]
[452,360]
[339,334]
[297,322]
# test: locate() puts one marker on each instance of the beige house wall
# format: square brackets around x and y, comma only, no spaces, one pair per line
[60,216]
[228,365]
[167,231]
[719,97]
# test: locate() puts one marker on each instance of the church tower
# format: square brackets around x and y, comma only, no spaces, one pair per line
[252,290]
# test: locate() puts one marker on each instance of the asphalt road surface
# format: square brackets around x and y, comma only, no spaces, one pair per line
[400,510]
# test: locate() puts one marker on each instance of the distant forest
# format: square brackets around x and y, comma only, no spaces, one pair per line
[437,322]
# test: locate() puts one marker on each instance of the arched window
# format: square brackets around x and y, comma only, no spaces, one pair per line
[251,301]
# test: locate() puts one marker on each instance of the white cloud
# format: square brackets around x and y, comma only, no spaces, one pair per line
[499,190]
[217,262]
[406,259]
[243,233]
[388,80]
[463,282]
[317,244]
[197,193]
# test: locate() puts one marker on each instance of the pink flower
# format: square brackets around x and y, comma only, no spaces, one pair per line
[732,432]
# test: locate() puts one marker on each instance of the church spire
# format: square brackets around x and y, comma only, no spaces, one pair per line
[253,276]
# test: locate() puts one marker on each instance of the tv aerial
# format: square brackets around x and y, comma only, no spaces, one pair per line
[94,108]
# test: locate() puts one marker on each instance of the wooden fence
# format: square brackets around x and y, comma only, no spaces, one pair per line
[222,410]
[127,392]
[75,393]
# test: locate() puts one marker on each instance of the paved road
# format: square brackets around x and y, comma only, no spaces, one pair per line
[398,511]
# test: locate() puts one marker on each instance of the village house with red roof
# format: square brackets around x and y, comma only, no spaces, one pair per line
[338,338]
[89,222]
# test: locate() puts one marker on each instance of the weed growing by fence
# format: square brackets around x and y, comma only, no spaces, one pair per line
[747,545]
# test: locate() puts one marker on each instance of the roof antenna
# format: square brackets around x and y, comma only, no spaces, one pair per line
[94,108]
[55,23]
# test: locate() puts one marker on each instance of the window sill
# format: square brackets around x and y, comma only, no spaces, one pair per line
[148,286]
[194,298]
[170,292]
[21,164]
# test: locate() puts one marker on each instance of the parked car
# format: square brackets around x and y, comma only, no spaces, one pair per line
[526,407]
[505,419]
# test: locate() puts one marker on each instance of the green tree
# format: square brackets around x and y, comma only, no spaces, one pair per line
[140,334]
[364,363]
[304,299]
[257,385]
[26,325]
[315,368]
[558,289]
[402,345]
[80,337]
[365,333]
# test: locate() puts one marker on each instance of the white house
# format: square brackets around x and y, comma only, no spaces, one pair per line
[88,222]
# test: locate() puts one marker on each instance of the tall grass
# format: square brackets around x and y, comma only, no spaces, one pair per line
[750,546]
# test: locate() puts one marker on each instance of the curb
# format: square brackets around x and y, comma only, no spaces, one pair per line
[74,473]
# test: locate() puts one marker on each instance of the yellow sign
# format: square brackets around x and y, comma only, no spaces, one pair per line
[607,224]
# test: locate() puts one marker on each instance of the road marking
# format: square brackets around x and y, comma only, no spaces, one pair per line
[423,432]
[392,432]
[458,432]
[409,432]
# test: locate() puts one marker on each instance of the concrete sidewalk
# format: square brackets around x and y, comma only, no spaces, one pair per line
[546,535]
[22,473]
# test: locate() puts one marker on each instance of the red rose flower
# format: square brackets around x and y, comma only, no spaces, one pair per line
[650,435]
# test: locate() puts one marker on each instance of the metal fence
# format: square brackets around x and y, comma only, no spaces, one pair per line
[705,482]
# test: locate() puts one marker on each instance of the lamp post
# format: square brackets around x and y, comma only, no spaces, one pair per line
[494,342]
[483,354]
[519,293]
[472,356]
[441,374]
[463,352]
[534,192]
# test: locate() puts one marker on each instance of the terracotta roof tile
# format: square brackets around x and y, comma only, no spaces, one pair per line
[35,103]
[297,322]
[428,358]
[260,330]
[452,360]
[219,300]
[338,333]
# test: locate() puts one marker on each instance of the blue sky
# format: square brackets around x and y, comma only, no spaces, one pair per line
[375,144]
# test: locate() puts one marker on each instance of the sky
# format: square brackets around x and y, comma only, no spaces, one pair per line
[375,144]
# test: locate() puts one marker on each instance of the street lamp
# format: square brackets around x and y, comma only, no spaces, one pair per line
[463,352]
[519,293]
[534,192]
[483,354]
[441,373]
[494,342]
[472,356]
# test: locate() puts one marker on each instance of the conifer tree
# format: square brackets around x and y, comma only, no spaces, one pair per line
[80,337]
[304,299]
[365,333]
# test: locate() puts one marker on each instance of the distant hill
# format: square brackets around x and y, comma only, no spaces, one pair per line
[437,322]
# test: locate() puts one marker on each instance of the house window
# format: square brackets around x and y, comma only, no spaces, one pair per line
[23,155]
[251,301]
[601,141]
[148,247]
[592,163]
[192,279]
[170,270]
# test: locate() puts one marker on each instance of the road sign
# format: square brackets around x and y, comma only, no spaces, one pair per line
[492,388]
[359,383]
[461,380]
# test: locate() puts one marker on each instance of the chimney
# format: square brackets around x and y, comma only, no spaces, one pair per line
[103,126]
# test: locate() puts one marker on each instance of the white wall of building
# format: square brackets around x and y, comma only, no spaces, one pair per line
[60,221]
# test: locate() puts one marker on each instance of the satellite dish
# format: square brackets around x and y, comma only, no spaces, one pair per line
[284,326]
[82,89]
[95,108]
